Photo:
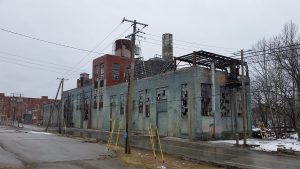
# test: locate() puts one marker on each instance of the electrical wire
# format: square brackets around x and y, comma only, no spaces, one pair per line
[27,66]
[173,46]
[75,65]
[194,43]
[253,52]
[46,41]
[42,63]
[73,73]
[193,47]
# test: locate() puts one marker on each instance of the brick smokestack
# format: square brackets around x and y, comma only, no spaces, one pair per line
[167,46]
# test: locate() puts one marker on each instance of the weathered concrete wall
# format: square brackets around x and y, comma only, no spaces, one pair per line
[78,97]
[170,122]
[46,115]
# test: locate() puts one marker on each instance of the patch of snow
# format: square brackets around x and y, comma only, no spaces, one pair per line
[256,129]
[36,132]
[267,145]
[294,136]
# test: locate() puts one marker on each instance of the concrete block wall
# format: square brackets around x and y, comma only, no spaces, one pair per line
[170,123]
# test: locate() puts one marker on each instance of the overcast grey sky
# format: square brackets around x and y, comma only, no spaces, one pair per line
[31,67]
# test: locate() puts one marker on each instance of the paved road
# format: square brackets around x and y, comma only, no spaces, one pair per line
[48,151]
[204,151]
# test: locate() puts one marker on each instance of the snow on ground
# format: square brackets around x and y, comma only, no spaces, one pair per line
[267,145]
[294,136]
[37,132]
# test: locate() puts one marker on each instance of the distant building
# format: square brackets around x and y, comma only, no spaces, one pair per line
[84,80]
[202,101]
[17,108]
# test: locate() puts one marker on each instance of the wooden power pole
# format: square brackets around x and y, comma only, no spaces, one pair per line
[130,86]
[61,106]
[244,99]
[52,108]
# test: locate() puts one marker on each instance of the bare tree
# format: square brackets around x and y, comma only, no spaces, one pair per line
[289,61]
[276,79]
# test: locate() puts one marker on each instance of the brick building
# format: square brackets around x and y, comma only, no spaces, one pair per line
[16,108]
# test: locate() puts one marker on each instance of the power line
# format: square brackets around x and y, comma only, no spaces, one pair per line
[160,45]
[190,46]
[75,65]
[32,61]
[199,44]
[271,59]
[53,43]
[24,65]
[280,47]
[73,73]
[46,41]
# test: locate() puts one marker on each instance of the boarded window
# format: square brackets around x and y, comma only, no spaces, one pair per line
[206,107]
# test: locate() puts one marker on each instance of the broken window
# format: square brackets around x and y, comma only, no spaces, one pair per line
[102,72]
[112,103]
[122,104]
[206,107]
[141,101]
[100,101]
[147,103]
[184,100]
[161,94]
[225,101]
[113,100]
[133,105]
[239,104]
[95,98]
[86,115]
[161,100]
[96,73]
[115,71]
[96,84]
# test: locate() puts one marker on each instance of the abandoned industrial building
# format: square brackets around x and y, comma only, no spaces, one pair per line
[200,101]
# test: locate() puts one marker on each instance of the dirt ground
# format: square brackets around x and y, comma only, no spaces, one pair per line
[145,159]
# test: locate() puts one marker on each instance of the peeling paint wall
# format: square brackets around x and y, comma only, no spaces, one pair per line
[164,98]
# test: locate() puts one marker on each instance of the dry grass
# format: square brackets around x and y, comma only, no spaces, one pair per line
[24,167]
[144,159]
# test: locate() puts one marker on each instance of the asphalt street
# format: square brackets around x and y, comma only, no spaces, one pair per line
[221,154]
[202,151]
[19,148]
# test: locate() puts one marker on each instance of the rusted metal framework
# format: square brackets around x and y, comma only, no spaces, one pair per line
[204,58]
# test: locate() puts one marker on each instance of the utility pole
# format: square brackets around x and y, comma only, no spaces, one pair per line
[130,85]
[52,108]
[12,105]
[20,101]
[61,106]
[244,99]
[14,100]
